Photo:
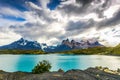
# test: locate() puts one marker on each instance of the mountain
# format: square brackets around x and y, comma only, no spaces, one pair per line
[43,46]
[58,48]
[66,45]
[82,44]
[23,44]
[70,45]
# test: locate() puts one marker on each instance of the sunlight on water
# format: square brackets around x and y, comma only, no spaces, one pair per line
[13,63]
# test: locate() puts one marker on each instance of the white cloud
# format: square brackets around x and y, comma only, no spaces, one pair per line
[69,20]
[110,37]
[9,11]
[7,22]
[110,12]
[7,36]
[44,3]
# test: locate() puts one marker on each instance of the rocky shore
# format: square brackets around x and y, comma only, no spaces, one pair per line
[97,73]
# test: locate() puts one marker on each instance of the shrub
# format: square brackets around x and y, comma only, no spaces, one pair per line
[41,67]
[60,70]
[118,70]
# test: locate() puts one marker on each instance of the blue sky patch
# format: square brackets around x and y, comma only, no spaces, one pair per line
[53,4]
[14,18]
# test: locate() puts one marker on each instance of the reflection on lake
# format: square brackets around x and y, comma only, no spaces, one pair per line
[13,63]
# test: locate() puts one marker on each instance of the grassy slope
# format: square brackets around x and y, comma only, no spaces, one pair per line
[21,52]
[96,50]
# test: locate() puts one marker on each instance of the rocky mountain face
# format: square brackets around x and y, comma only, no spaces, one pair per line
[64,46]
[82,44]
[23,44]
[69,45]
[57,48]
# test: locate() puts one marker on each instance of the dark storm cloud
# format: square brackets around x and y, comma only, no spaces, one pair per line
[103,7]
[115,20]
[79,25]
[85,7]
[83,26]
[84,2]
[99,7]
[71,9]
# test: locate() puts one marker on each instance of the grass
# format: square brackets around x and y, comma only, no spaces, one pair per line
[11,51]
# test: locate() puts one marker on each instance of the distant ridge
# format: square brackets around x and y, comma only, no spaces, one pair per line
[23,44]
[70,45]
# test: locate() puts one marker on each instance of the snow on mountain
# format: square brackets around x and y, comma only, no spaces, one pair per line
[43,46]
[23,44]
[64,46]
[69,45]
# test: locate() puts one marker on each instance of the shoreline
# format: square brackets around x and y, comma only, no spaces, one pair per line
[64,54]
[97,73]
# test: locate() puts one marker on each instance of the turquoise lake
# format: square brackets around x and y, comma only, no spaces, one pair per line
[13,63]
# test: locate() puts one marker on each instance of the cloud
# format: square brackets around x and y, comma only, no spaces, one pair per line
[71,19]
[84,2]
[44,3]
[6,22]
[65,21]
[79,25]
[9,11]
[7,36]
[83,7]
[115,20]
[40,23]
[109,37]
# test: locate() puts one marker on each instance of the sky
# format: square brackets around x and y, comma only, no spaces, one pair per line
[51,21]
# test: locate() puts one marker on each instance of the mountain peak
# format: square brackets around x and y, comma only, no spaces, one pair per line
[82,43]
[22,39]
[23,44]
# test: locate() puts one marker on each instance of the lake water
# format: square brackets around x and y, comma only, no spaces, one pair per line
[13,63]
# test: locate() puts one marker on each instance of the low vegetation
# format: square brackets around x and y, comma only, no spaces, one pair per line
[88,51]
[96,50]
[21,51]
[41,67]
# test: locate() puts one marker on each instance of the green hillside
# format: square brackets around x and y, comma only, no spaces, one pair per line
[21,52]
[96,50]
[88,51]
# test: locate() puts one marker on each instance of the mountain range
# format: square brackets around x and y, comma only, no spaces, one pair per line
[23,44]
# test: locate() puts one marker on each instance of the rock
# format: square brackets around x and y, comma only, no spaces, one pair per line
[74,74]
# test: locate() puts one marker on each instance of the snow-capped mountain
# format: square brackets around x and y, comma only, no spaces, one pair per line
[65,45]
[70,45]
[23,44]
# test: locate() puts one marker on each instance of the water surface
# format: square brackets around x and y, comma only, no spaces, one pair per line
[13,63]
